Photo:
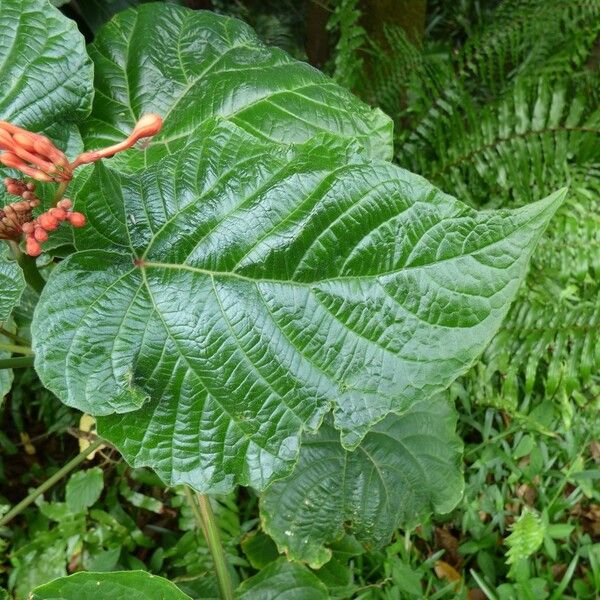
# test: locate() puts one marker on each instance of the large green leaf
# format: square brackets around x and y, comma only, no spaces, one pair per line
[12,282]
[283,580]
[405,468]
[118,585]
[189,66]
[239,290]
[45,73]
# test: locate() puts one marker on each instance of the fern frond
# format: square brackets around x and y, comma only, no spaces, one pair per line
[403,76]
[352,38]
[529,38]
[521,148]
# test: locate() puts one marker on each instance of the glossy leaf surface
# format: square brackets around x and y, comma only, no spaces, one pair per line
[118,585]
[283,580]
[45,73]
[238,291]
[406,467]
[189,66]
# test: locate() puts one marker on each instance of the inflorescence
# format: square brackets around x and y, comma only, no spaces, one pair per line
[37,157]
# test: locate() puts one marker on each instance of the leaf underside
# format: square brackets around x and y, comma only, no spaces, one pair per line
[237,291]
[12,282]
[189,66]
[406,467]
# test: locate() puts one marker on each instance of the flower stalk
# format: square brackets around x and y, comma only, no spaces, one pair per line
[37,157]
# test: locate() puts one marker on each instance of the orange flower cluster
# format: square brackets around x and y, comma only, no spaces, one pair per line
[37,157]
[32,154]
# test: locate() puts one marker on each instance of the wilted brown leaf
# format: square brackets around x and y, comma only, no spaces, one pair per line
[445,571]
[446,541]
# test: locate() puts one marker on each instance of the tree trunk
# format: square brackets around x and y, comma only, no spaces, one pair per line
[317,36]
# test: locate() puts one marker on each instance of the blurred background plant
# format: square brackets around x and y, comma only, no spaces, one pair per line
[497,103]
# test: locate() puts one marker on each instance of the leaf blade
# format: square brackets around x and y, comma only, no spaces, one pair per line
[190,66]
[136,585]
[405,468]
[257,287]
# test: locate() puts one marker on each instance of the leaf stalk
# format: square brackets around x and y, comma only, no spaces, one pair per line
[20,362]
[205,517]
[16,349]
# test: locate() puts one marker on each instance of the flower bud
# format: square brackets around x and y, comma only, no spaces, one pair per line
[41,235]
[58,213]
[77,219]
[147,126]
[48,222]
[32,247]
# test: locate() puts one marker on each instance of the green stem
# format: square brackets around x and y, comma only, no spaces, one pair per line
[19,508]
[16,349]
[205,517]
[16,363]
[60,192]
[13,336]
[29,267]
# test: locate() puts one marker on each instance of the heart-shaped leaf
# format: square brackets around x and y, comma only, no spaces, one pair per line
[132,585]
[45,74]
[283,580]
[239,290]
[189,66]
[12,282]
[406,467]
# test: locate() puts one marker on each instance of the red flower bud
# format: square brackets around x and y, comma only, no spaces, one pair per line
[77,219]
[58,213]
[32,247]
[65,203]
[40,234]
[48,222]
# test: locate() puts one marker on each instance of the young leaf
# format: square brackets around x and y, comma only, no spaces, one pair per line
[189,66]
[284,580]
[12,282]
[84,488]
[239,290]
[405,468]
[133,585]
[526,536]
[45,74]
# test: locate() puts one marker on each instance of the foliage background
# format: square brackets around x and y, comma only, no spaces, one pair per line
[496,103]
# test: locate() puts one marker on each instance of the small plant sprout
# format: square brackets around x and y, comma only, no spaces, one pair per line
[37,157]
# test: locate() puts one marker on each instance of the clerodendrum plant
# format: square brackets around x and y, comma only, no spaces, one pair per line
[258,297]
